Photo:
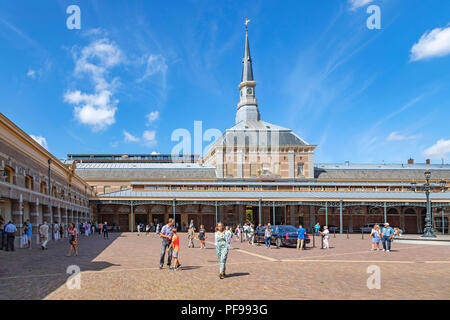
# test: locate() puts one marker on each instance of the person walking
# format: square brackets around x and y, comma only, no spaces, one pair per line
[301,237]
[10,230]
[251,234]
[191,234]
[28,231]
[158,229]
[375,237]
[73,240]
[325,234]
[317,227]
[43,234]
[105,230]
[202,236]
[166,234]
[2,234]
[175,247]
[386,237]
[139,229]
[99,228]
[267,236]
[56,230]
[221,248]
[228,235]
[147,230]
[61,231]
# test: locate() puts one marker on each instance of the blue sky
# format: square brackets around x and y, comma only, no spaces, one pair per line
[138,70]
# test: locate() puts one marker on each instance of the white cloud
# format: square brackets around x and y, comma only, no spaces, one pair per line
[435,43]
[95,61]
[128,137]
[439,150]
[96,110]
[41,140]
[155,64]
[395,136]
[149,137]
[154,152]
[355,4]
[31,73]
[152,116]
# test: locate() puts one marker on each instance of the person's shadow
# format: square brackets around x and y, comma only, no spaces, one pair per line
[237,274]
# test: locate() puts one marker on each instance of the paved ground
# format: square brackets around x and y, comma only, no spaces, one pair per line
[126,267]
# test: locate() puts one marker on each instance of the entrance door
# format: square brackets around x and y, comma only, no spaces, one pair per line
[141,218]
[158,218]
[124,222]
[209,222]
[410,224]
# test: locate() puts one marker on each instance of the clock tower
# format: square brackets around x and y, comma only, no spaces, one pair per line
[247,108]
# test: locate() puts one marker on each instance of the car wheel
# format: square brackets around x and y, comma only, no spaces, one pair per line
[278,242]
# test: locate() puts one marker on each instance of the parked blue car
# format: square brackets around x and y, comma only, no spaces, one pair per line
[282,235]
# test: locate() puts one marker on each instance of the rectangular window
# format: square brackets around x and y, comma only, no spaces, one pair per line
[123,188]
[299,169]
[229,169]
[253,170]
[276,168]
[106,189]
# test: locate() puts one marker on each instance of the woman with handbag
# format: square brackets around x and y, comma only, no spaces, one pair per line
[73,237]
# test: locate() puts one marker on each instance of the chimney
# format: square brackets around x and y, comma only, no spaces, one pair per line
[410,161]
[427,161]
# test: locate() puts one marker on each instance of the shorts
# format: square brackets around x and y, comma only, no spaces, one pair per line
[375,240]
[202,238]
[175,254]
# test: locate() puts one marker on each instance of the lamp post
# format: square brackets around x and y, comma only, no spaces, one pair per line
[428,232]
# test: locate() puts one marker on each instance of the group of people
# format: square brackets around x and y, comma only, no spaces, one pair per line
[171,244]
[46,231]
[383,235]
[201,235]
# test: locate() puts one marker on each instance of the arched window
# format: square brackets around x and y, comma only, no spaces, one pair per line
[53,191]
[410,211]
[10,175]
[374,211]
[43,187]
[358,211]
[393,211]
[29,183]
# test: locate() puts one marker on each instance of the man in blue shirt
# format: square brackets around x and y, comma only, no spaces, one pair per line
[10,230]
[317,227]
[301,237]
[386,236]
[166,234]
[28,232]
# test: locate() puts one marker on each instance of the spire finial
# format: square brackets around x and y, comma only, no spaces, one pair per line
[246,23]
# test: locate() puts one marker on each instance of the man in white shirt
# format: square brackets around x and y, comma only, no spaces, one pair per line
[43,231]
[56,230]
[325,234]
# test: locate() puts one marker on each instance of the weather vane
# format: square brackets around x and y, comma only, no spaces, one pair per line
[246,23]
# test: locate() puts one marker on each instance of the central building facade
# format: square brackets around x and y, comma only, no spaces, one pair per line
[258,172]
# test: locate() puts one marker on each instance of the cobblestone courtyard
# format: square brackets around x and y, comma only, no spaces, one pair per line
[127,267]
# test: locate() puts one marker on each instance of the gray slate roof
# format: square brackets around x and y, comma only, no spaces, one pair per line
[276,195]
[379,174]
[255,133]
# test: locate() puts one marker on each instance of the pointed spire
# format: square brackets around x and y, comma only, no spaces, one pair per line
[247,70]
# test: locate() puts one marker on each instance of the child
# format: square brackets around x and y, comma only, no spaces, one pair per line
[175,245]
